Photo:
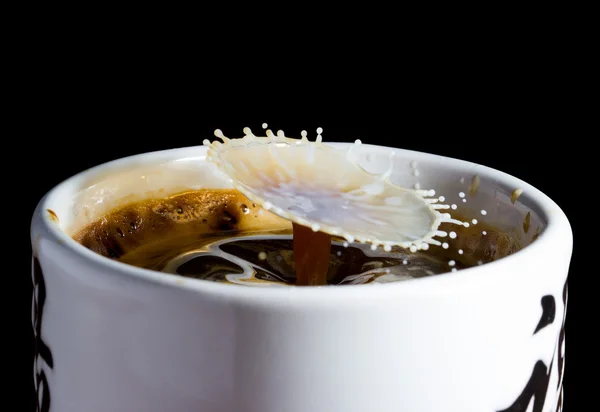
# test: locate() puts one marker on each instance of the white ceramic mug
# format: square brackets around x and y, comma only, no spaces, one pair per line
[115,338]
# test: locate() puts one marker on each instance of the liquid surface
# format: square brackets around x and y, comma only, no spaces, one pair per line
[218,235]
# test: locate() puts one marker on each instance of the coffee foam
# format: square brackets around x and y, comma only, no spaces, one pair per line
[101,192]
[187,215]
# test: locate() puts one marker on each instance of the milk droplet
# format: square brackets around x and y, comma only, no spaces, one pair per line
[453,269]
[387,248]
[315,227]
[453,206]
[464,200]
[264,125]
[484,212]
[442,199]
[475,182]
[479,262]
[357,141]
[452,235]
[339,253]
[460,251]
[484,233]
[413,248]
[474,221]
[515,195]
[466,224]
[452,263]
[461,180]
[319,130]
[262,256]
[445,245]
[404,262]
[345,244]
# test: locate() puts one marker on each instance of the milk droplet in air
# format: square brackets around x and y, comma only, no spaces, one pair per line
[475,182]
[515,195]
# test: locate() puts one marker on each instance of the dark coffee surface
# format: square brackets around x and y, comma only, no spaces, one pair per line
[211,233]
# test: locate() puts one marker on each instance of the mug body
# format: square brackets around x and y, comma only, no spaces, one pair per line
[113,337]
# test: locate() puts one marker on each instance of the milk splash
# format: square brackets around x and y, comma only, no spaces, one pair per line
[323,187]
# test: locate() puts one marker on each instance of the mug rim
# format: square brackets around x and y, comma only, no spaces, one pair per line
[558,229]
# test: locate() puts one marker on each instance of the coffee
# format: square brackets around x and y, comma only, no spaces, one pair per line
[219,235]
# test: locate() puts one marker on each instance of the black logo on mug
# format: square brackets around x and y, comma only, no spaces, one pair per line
[537,386]
[41,350]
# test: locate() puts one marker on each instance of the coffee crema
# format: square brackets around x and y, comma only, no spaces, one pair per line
[219,235]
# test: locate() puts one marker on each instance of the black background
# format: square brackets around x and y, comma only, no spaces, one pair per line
[534,145]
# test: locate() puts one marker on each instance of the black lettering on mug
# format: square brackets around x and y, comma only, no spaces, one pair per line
[41,349]
[537,386]
[548,313]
